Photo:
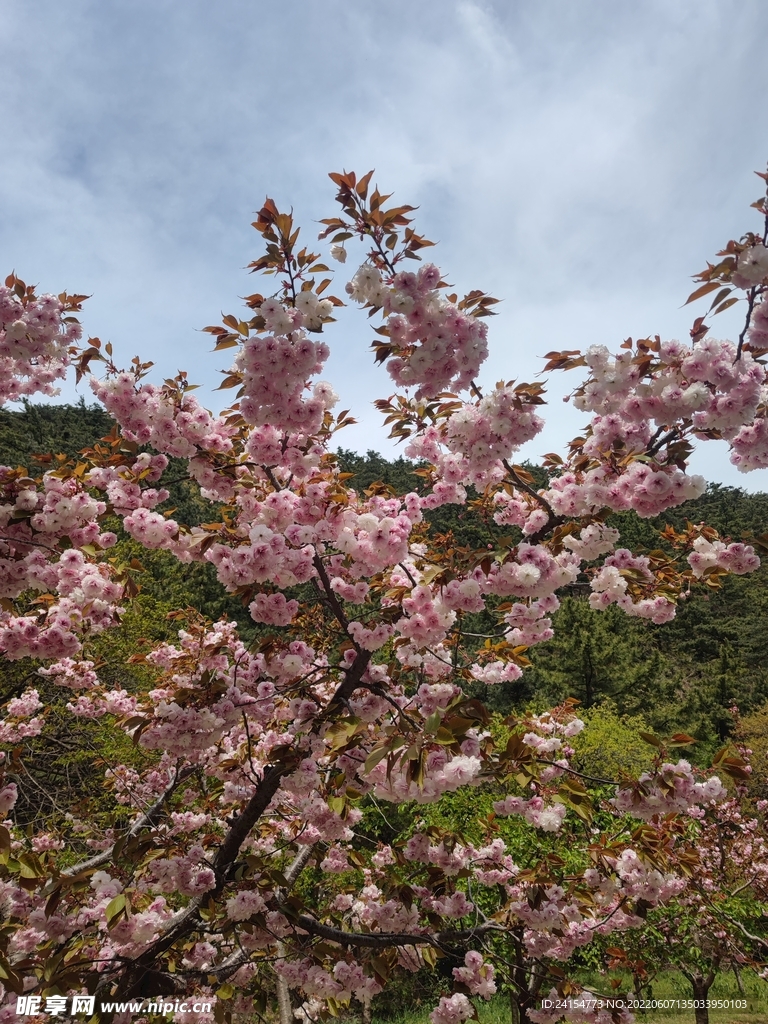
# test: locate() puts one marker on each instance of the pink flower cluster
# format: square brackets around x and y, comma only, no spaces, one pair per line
[611,584]
[641,487]
[375,541]
[88,602]
[371,639]
[644,882]
[22,724]
[9,794]
[77,675]
[440,346]
[33,523]
[476,975]
[673,790]
[736,558]
[750,446]
[275,370]
[172,424]
[273,609]
[496,672]
[465,595]
[443,774]
[751,267]
[354,593]
[34,343]
[113,702]
[594,540]
[191,874]
[346,980]
[268,559]
[452,1009]
[533,573]
[703,383]
[758,331]
[492,429]
[529,623]
[549,818]
[244,905]
[123,486]
[426,620]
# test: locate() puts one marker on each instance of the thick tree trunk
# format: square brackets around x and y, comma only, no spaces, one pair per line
[637,985]
[701,987]
[739,982]
[527,983]
[520,1006]
[515,1008]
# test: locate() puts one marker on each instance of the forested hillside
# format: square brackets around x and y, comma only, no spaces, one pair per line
[684,675]
[687,674]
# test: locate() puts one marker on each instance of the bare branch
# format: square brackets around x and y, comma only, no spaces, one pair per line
[329,594]
[30,543]
[381,940]
[581,775]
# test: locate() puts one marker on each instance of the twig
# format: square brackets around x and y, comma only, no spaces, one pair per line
[148,818]
[31,543]
[408,573]
[581,775]
[750,306]
[553,519]
[746,885]
[380,692]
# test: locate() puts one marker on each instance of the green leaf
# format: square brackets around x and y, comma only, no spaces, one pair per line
[373,759]
[648,737]
[433,722]
[11,979]
[115,909]
[5,844]
[30,866]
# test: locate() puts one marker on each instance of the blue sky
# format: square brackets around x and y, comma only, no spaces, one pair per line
[580,160]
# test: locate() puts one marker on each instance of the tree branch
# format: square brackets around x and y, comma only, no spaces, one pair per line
[355,673]
[380,940]
[744,932]
[581,775]
[553,520]
[143,821]
[330,596]
[183,922]
[241,827]
[30,543]
[654,449]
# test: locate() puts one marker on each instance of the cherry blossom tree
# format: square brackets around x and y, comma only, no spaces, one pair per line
[260,757]
[715,923]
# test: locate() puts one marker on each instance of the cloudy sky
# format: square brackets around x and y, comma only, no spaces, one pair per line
[579,159]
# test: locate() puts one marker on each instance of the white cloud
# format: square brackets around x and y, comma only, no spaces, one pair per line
[578,160]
